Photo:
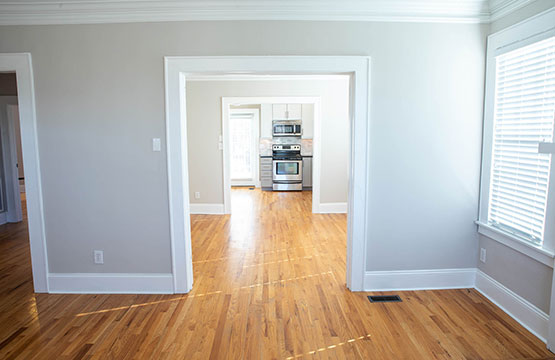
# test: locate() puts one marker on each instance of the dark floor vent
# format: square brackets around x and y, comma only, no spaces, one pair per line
[251,188]
[384,298]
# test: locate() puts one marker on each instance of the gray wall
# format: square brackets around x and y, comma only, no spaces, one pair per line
[518,272]
[100,100]
[204,119]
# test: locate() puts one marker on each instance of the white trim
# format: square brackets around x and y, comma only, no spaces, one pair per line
[22,65]
[535,252]
[502,8]
[403,280]
[178,178]
[110,283]
[210,209]
[333,208]
[316,143]
[177,68]
[251,77]
[528,315]
[530,30]
[40,12]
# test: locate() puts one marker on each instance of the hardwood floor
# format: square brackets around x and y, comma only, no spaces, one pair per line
[269,284]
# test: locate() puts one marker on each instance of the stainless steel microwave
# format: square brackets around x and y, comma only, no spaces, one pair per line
[286,128]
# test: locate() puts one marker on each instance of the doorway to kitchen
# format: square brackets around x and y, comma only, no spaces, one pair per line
[178,69]
[297,168]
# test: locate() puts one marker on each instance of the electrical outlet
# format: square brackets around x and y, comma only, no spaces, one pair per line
[483,255]
[99,257]
[197,195]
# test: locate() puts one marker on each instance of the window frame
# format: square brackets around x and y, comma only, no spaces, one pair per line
[532,30]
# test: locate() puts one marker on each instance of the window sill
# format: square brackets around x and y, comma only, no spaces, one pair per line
[535,252]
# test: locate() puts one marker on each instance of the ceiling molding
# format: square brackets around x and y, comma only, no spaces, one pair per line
[501,8]
[43,12]
[38,12]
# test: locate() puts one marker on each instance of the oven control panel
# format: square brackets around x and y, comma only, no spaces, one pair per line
[290,147]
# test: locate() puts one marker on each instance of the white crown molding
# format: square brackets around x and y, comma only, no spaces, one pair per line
[501,8]
[36,12]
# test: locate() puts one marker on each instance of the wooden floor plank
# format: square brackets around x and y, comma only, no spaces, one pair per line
[269,284]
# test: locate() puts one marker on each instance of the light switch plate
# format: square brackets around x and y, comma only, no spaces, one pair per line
[99,257]
[156,144]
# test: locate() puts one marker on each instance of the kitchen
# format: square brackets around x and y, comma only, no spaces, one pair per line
[318,103]
[286,157]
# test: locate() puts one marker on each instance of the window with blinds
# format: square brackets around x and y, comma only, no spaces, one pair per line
[523,116]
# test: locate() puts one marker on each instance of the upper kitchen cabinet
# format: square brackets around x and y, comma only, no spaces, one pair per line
[287,111]
[308,121]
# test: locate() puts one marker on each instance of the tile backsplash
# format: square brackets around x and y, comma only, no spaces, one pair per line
[265,146]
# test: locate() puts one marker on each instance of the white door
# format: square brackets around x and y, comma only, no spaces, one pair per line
[244,139]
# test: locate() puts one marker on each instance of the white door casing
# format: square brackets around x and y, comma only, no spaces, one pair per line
[177,68]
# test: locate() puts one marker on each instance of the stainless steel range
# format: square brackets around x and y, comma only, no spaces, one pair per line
[287,167]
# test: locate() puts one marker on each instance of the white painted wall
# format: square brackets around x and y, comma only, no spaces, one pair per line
[204,127]
[100,101]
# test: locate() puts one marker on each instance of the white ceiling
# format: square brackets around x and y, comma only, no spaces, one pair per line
[28,12]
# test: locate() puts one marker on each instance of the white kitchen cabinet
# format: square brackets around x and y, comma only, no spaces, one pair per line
[294,111]
[308,121]
[279,111]
[287,111]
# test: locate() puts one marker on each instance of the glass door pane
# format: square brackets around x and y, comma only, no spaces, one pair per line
[241,147]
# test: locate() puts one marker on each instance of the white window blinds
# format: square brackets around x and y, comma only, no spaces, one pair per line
[523,116]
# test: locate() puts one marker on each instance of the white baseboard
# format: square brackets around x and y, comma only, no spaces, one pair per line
[419,279]
[211,209]
[110,283]
[333,208]
[520,309]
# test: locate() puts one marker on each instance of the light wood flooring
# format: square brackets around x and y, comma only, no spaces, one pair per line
[269,284]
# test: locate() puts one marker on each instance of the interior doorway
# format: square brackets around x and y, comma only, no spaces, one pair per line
[177,70]
[309,167]
[20,64]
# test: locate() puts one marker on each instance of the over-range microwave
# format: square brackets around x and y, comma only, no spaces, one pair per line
[286,128]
